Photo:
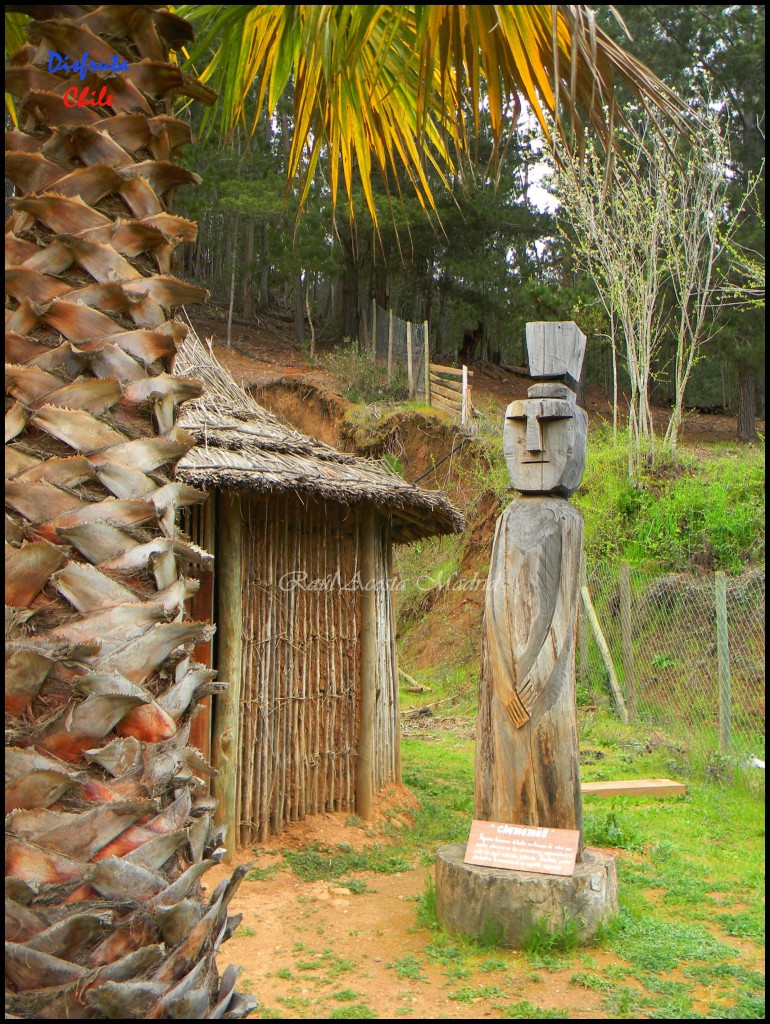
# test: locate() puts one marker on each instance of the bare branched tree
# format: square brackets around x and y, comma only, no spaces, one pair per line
[698,252]
[656,239]
[617,229]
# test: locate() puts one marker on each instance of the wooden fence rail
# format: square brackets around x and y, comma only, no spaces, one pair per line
[449,393]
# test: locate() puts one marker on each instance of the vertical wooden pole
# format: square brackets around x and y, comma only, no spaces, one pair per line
[464,403]
[723,665]
[368,684]
[626,639]
[374,329]
[409,371]
[427,363]
[393,653]
[617,695]
[583,626]
[226,733]
[390,343]
[363,331]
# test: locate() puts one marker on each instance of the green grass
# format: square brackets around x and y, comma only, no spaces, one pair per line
[748,1007]
[408,967]
[657,944]
[590,980]
[346,995]
[361,379]
[355,1011]
[493,965]
[424,568]
[542,939]
[426,905]
[469,993]
[609,829]
[701,854]
[326,962]
[356,885]
[317,862]
[708,510]
[745,925]
[524,1010]
[691,887]
[261,874]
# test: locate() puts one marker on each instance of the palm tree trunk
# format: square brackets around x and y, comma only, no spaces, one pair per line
[108,832]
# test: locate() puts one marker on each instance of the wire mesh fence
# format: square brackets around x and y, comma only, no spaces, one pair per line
[688,652]
[395,341]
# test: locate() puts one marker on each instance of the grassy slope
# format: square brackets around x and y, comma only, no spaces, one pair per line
[706,513]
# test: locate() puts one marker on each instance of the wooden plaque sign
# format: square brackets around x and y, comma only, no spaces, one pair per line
[548,851]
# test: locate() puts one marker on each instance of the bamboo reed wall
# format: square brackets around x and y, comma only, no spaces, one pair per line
[300,702]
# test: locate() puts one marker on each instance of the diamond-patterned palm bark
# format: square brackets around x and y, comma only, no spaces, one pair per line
[109,828]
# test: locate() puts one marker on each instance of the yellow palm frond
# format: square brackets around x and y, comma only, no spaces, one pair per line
[383,86]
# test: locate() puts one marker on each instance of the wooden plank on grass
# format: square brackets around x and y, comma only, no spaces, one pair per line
[634,787]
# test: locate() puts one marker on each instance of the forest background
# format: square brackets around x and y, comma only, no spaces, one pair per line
[493,251]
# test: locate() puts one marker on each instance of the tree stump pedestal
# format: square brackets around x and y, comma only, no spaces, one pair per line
[508,906]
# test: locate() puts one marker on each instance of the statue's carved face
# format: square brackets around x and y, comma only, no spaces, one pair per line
[544,441]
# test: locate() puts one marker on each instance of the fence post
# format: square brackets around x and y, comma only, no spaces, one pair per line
[464,402]
[368,698]
[390,343]
[427,363]
[363,331]
[374,330]
[626,638]
[582,625]
[617,695]
[409,371]
[723,665]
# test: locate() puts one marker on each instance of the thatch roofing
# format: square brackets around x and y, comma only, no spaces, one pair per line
[242,446]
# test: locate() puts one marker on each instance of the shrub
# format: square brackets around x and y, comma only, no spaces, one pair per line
[362,380]
[705,512]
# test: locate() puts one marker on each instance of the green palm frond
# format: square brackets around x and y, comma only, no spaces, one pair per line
[15,30]
[15,36]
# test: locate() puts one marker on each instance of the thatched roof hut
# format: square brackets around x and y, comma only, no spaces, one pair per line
[302,536]
[242,446]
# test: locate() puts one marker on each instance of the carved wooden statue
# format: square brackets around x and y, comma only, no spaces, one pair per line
[527,767]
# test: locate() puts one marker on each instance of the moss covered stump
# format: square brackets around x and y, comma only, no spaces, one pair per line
[511,906]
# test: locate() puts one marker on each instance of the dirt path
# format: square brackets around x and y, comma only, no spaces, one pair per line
[354,946]
[315,949]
